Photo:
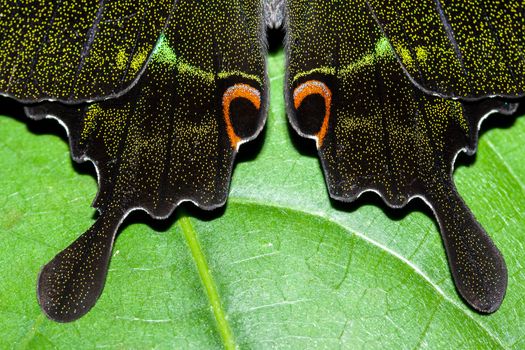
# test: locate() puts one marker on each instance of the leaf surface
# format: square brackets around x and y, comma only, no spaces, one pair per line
[291,268]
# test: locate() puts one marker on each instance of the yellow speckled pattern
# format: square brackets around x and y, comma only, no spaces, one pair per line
[462,48]
[76,50]
[164,141]
[386,135]
[173,135]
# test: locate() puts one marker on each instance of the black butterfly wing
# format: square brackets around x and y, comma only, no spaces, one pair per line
[375,131]
[76,51]
[171,138]
[458,48]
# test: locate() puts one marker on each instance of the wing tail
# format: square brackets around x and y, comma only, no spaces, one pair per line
[71,283]
[477,266]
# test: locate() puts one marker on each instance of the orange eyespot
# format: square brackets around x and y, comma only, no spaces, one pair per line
[316,87]
[238,91]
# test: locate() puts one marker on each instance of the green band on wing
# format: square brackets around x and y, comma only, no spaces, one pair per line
[163,53]
[383,50]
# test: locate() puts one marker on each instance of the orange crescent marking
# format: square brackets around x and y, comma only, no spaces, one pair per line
[238,91]
[312,87]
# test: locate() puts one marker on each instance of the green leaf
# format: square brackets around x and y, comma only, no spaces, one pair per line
[284,266]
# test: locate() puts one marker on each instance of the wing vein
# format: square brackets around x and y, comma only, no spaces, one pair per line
[92,32]
[134,49]
[43,42]
[450,35]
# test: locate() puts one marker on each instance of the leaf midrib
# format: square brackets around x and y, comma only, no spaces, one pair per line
[206,278]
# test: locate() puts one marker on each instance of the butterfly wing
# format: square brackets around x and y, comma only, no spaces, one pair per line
[458,48]
[171,138]
[76,51]
[375,131]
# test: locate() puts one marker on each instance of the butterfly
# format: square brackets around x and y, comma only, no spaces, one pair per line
[160,99]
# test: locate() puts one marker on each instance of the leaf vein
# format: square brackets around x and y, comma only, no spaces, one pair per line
[387,250]
[505,164]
